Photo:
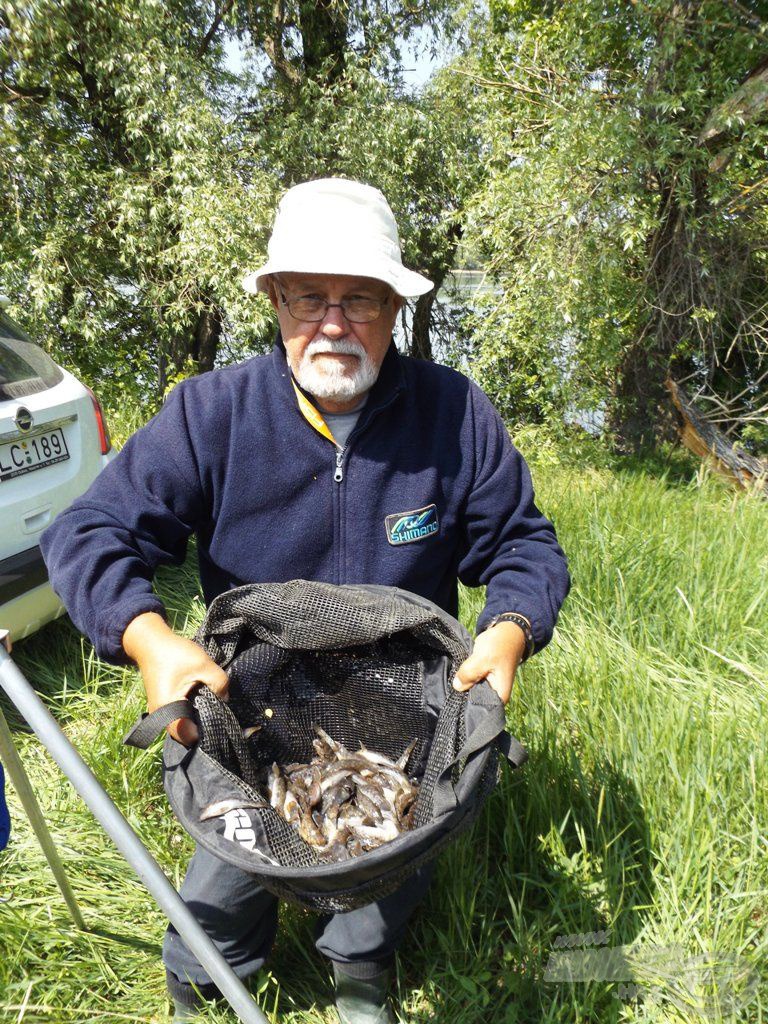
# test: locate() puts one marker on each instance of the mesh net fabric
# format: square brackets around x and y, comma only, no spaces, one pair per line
[351,660]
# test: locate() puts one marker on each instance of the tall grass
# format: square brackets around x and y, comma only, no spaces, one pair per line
[641,813]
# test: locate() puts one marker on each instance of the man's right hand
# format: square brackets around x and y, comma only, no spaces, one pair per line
[171,666]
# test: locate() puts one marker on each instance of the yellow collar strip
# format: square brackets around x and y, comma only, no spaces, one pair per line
[311,414]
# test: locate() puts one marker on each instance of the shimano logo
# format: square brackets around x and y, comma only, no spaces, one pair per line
[406,527]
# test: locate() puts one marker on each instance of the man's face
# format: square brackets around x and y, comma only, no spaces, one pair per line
[335,360]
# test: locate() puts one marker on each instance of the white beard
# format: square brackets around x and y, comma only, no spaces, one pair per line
[330,380]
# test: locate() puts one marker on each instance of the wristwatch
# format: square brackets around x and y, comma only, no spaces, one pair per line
[523,623]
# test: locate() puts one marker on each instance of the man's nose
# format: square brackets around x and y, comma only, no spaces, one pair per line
[334,323]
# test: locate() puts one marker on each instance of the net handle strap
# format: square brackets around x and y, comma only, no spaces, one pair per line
[151,724]
[490,729]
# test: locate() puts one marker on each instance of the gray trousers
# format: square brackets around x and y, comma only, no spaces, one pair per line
[241,918]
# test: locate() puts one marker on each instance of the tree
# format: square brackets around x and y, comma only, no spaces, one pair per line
[126,220]
[143,175]
[625,250]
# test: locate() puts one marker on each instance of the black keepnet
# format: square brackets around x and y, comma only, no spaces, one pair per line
[370,665]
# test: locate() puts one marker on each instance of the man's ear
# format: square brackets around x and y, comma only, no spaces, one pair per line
[397,302]
[272,292]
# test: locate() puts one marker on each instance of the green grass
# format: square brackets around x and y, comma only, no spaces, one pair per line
[642,810]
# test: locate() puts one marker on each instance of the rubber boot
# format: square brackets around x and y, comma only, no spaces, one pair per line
[362,1000]
[182,1012]
[187,1000]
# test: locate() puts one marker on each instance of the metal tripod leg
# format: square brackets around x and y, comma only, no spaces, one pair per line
[18,776]
[128,843]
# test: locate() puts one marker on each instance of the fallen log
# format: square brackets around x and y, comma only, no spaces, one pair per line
[705,440]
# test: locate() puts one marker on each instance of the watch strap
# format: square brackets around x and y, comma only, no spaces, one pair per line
[523,623]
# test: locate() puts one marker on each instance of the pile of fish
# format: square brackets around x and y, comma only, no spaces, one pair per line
[344,803]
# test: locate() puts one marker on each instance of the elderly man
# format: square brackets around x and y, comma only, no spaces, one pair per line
[336,459]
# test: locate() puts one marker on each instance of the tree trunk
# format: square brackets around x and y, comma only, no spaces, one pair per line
[207,337]
[162,371]
[421,331]
[421,343]
[324,30]
[200,344]
[640,414]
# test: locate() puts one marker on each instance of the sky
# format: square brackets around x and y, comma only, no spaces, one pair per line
[417,61]
[417,67]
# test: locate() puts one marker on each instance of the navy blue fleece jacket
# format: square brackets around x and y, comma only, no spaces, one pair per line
[431,490]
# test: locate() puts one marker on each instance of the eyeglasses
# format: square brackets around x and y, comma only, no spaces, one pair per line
[312,309]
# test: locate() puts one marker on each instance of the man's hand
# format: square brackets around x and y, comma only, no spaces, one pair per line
[171,666]
[497,653]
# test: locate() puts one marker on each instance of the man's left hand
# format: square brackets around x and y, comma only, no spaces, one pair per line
[497,653]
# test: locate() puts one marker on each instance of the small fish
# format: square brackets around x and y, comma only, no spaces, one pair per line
[322,750]
[409,819]
[334,799]
[222,807]
[368,789]
[336,850]
[291,810]
[354,817]
[367,805]
[405,757]
[344,803]
[337,749]
[355,847]
[315,793]
[394,776]
[332,779]
[329,747]
[372,843]
[385,832]
[375,758]
[403,803]
[355,763]
[337,853]
[276,786]
[309,831]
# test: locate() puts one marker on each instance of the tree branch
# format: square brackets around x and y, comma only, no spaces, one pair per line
[748,104]
[18,92]
[217,20]
[743,12]
[273,45]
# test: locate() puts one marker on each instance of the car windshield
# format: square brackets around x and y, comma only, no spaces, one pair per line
[24,367]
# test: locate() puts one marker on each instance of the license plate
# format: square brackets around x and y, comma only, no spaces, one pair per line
[30,453]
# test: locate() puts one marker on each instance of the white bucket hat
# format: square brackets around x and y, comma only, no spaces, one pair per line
[335,226]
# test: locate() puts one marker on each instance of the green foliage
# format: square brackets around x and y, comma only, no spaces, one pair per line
[622,251]
[143,174]
[360,127]
[603,164]
[126,216]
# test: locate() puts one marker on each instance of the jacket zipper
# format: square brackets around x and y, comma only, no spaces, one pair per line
[338,477]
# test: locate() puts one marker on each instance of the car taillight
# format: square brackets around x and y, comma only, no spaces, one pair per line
[101,423]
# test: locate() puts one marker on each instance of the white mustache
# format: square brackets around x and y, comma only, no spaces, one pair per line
[341,347]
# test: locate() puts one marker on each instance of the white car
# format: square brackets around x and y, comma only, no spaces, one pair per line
[53,443]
